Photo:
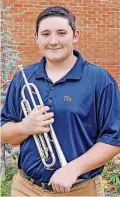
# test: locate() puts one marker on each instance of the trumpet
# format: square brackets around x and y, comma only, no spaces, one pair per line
[42,140]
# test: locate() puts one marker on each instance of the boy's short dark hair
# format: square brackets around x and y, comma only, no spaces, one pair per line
[57,11]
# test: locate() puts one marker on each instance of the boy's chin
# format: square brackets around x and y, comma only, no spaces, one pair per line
[55,59]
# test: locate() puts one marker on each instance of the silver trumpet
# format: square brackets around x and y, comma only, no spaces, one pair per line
[42,140]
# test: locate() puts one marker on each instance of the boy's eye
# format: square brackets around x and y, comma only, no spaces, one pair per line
[45,34]
[48,33]
[62,33]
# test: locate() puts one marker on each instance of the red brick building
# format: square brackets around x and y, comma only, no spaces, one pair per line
[98,22]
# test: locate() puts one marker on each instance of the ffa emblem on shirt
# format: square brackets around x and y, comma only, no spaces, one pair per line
[67,98]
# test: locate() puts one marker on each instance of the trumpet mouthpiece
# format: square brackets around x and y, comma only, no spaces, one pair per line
[20,67]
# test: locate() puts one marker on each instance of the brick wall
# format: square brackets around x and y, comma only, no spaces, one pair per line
[98,22]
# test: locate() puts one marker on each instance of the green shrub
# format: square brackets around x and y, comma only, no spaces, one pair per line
[115,179]
[111,177]
[6,180]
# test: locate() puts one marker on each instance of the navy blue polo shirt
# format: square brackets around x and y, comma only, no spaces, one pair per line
[86,106]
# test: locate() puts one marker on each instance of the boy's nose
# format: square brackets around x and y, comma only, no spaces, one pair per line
[53,40]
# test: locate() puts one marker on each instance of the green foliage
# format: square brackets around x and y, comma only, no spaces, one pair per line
[107,194]
[9,54]
[11,152]
[6,180]
[115,179]
[111,176]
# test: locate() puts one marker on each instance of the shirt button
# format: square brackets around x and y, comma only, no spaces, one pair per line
[51,87]
[50,100]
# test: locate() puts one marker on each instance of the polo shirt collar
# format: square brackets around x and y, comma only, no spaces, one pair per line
[75,73]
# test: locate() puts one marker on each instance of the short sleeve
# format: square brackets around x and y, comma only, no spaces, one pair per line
[10,110]
[109,115]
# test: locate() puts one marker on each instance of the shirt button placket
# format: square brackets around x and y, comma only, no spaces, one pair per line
[50,100]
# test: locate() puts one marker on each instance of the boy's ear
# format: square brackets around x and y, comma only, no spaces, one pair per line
[76,36]
[35,37]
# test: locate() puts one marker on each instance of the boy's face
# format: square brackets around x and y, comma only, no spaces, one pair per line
[55,39]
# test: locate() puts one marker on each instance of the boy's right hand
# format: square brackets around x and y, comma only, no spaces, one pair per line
[38,121]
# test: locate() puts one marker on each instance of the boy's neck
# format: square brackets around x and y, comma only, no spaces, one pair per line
[65,65]
[58,70]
